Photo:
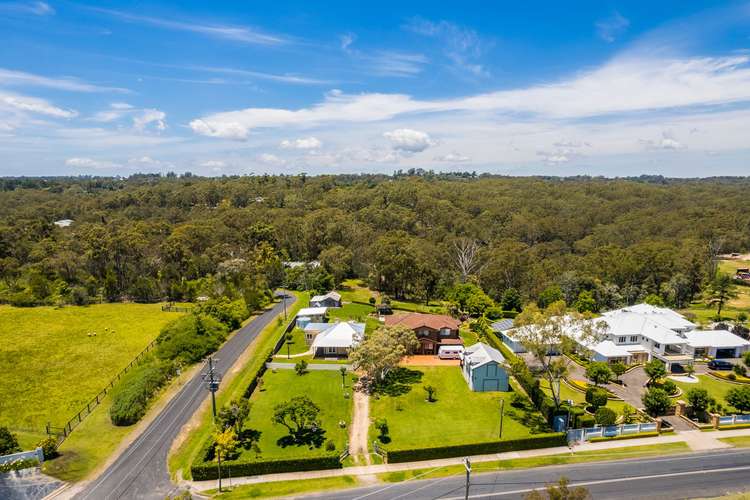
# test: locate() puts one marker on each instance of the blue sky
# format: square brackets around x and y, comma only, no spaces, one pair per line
[599,88]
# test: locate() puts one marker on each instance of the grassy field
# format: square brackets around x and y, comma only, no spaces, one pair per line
[53,364]
[323,387]
[458,416]
[232,387]
[716,388]
[354,290]
[704,314]
[298,345]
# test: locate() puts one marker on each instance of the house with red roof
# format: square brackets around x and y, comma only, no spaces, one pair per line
[432,330]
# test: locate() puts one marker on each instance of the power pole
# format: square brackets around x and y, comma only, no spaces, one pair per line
[502,414]
[211,377]
[467,465]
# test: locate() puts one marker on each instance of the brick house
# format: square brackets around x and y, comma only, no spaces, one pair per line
[433,330]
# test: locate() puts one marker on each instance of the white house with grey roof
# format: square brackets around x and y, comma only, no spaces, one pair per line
[337,339]
[331,299]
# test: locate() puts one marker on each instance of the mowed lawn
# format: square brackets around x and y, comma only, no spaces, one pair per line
[323,388]
[51,364]
[716,388]
[459,416]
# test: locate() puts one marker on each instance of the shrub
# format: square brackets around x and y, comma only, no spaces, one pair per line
[731,376]
[8,442]
[22,299]
[330,445]
[656,401]
[586,420]
[746,358]
[699,399]
[518,400]
[739,397]
[190,338]
[381,425]
[605,416]
[300,367]
[740,370]
[208,470]
[494,312]
[229,312]
[133,392]
[531,442]
[655,369]
[598,372]
[596,397]
[669,387]
[49,447]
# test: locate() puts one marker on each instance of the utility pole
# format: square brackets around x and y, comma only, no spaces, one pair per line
[211,377]
[467,465]
[502,414]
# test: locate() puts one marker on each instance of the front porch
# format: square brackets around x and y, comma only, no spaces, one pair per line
[674,359]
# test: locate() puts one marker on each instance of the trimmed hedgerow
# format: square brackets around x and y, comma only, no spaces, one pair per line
[416,454]
[133,392]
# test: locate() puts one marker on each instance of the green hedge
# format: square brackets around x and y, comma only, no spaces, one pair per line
[393,456]
[735,426]
[133,392]
[209,470]
[627,436]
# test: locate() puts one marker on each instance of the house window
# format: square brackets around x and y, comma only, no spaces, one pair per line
[330,350]
[634,338]
[621,340]
[445,332]
[657,345]
[423,333]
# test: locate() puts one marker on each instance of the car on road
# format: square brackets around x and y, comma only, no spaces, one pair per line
[717,364]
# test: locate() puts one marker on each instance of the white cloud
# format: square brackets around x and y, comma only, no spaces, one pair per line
[120,105]
[347,39]
[270,159]
[150,118]
[462,46]
[35,8]
[409,140]
[611,28]
[242,34]
[392,63]
[302,143]
[453,157]
[34,105]
[639,84]
[12,77]
[667,143]
[214,165]
[83,162]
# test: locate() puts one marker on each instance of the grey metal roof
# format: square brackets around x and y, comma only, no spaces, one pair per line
[502,325]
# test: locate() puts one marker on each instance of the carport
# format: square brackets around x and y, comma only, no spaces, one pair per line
[717,343]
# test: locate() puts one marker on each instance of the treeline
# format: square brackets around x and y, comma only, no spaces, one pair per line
[411,235]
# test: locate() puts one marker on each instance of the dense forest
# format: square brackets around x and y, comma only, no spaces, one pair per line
[412,235]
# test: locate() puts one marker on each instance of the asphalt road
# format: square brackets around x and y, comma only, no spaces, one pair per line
[695,475]
[141,470]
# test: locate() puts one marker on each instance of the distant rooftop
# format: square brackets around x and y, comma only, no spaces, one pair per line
[63,222]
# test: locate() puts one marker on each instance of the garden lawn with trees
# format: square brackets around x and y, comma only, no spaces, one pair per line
[55,360]
[456,416]
[324,388]
[717,389]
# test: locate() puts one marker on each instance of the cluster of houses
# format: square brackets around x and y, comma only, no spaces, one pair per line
[640,333]
[481,365]
[634,334]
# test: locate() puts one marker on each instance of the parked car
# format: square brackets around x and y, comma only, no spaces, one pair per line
[717,364]
[450,352]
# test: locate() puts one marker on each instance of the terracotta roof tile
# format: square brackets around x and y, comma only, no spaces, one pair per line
[417,320]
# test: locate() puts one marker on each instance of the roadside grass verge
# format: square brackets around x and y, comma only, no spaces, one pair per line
[737,441]
[283,488]
[542,461]
[198,431]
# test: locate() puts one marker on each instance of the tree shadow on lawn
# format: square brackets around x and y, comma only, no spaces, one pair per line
[398,382]
[249,436]
[313,438]
[529,417]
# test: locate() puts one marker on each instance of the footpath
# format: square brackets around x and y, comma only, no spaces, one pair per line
[696,440]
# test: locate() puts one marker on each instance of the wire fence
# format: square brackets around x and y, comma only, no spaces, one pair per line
[61,433]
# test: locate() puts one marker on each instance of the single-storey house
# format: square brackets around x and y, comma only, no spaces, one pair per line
[312,330]
[311,315]
[331,299]
[483,368]
[432,330]
[338,339]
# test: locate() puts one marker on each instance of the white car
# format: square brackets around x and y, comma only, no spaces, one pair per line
[450,352]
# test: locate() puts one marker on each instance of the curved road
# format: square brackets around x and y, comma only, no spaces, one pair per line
[141,470]
[693,475]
